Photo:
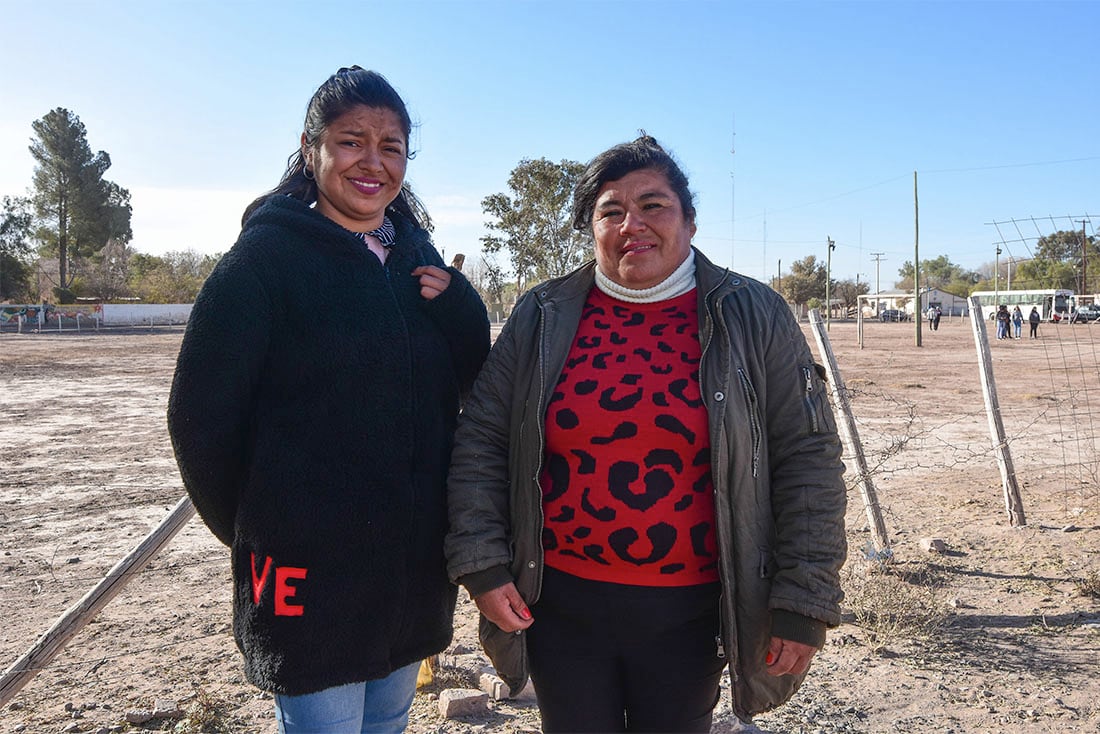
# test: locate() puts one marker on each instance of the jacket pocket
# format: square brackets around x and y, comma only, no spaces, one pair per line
[768,566]
[755,424]
[815,404]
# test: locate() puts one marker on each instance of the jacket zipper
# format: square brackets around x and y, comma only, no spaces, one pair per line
[754,419]
[811,409]
[719,638]
[541,428]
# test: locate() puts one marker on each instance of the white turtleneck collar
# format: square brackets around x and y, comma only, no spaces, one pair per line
[680,282]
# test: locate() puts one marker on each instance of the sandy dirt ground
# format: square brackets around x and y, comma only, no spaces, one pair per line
[86,471]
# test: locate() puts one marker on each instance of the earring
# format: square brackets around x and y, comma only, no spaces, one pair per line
[307,173]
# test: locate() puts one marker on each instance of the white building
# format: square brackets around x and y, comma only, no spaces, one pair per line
[872,304]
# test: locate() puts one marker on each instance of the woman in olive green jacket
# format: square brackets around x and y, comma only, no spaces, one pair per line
[779,499]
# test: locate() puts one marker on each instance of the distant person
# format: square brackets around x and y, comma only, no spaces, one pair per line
[933,318]
[1017,322]
[313,430]
[646,484]
[1003,321]
[1033,320]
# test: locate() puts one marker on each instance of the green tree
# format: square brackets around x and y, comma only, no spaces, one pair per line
[79,210]
[1040,273]
[1065,246]
[533,222]
[806,280]
[1060,260]
[1063,258]
[16,223]
[938,273]
[175,277]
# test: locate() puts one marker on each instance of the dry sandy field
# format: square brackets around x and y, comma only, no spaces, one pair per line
[997,631]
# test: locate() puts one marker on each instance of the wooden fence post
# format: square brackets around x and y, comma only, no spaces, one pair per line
[78,615]
[1013,503]
[849,434]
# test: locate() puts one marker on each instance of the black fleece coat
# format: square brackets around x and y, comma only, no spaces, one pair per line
[312,413]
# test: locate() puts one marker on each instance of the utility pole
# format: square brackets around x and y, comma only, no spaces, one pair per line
[829,281]
[916,258]
[733,189]
[1084,259]
[732,220]
[859,306]
[878,288]
[764,249]
[997,276]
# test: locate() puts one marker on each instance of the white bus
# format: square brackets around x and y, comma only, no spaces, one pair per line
[1054,304]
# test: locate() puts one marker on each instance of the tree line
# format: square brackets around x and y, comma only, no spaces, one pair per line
[531,223]
[69,237]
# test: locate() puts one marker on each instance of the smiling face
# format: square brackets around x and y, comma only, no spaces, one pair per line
[641,232]
[359,166]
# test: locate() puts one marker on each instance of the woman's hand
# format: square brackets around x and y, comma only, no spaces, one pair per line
[433,280]
[505,608]
[788,657]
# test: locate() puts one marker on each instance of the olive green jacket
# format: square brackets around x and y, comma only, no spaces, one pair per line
[779,495]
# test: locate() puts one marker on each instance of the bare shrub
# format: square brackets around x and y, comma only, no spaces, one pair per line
[207,714]
[895,602]
[1089,585]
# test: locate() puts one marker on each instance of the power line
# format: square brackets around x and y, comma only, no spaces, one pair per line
[1013,165]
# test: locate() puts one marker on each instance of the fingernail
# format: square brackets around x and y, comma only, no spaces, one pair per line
[525,613]
[769,658]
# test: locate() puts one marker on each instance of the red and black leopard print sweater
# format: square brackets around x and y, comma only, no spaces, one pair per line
[627,491]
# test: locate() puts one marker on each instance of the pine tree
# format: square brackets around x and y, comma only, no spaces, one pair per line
[80,211]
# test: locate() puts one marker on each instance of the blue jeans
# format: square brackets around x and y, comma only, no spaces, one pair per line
[374,707]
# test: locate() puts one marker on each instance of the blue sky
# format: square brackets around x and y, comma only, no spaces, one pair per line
[829,108]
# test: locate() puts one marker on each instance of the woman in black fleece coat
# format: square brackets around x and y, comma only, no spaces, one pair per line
[312,413]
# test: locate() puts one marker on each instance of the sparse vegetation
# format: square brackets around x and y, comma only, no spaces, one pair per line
[205,715]
[1089,585]
[894,602]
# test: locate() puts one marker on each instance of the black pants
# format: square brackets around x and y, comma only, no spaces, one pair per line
[615,658]
[1034,329]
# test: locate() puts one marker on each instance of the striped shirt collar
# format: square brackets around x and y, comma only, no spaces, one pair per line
[386,234]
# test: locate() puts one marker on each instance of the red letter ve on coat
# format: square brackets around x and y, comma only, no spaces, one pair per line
[283,590]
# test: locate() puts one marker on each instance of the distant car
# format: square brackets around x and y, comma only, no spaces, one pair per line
[1085,314]
[894,314]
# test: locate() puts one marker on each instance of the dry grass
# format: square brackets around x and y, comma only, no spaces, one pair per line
[1089,585]
[895,603]
[205,715]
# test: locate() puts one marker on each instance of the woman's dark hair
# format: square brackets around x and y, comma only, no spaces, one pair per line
[347,88]
[614,163]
